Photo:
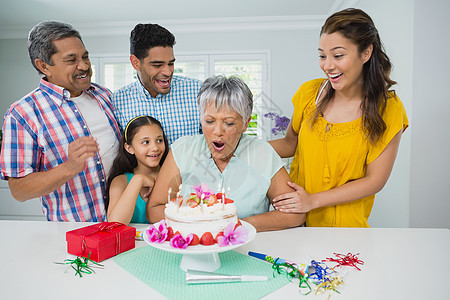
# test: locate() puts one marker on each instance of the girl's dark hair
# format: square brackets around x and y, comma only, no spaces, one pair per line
[358,27]
[126,162]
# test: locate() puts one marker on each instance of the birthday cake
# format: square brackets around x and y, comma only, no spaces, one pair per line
[203,217]
[203,214]
[197,216]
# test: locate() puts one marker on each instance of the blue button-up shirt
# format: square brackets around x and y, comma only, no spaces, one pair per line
[177,110]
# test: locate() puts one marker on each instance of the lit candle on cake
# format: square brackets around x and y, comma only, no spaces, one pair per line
[223,198]
[179,198]
[201,203]
[179,192]
[168,195]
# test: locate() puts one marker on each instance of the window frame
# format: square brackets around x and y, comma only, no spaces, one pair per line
[209,58]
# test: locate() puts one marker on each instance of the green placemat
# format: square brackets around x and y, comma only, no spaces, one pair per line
[161,271]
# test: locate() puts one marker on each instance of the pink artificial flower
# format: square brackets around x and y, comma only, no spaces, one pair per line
[157,233]
[233,236]
[203,189]
[179,242]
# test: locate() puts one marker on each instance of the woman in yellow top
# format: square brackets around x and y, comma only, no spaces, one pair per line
[345,130]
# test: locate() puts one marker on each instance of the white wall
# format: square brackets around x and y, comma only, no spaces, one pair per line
[17,76]
[293,61]
[11,209]
[430,145]
[395,26]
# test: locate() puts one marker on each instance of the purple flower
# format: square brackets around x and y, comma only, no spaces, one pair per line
[281,123]
[233,236]
[179,242]
[271,115]
[157,233]
[203,189]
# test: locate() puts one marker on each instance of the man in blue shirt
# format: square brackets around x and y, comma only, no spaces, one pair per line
[169,98]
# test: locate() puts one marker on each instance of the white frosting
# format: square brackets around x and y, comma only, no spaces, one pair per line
[188,220]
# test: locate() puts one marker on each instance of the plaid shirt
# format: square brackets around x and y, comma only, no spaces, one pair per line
[177,111]
[37,131]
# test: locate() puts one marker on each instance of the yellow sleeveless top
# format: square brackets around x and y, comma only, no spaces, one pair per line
[325,159]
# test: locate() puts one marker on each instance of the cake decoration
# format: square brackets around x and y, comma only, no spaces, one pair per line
[158,232]
[179,242]
[232,235]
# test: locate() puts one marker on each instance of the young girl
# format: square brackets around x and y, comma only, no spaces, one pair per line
[345,130]
[143,149]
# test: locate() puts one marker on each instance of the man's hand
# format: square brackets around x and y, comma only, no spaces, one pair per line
[79,151]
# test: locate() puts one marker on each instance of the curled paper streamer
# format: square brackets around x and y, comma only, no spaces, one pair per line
[325,278]
[81,265]
[350,260]
[330,284]
[291,271]
[321,272]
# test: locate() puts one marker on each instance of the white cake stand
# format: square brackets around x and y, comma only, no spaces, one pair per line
[202,258]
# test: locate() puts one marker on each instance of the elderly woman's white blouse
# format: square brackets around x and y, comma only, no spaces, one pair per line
[246,179]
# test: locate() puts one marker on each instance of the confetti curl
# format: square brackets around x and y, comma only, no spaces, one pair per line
[291,271]
[350,260]
[81,265]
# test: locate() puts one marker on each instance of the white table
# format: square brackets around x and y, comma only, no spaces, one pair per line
[399,263]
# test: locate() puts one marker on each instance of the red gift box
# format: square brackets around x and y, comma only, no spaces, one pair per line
[102,240]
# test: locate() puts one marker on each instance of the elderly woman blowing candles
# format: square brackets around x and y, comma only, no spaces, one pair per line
[249,170]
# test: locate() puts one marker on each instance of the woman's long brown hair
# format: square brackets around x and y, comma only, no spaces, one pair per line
[358,27]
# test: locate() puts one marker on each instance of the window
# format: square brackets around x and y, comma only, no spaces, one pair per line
[251,70]
[112,72]
[194,66]
[115,72]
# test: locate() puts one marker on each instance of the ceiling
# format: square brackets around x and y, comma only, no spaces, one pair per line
[17,17]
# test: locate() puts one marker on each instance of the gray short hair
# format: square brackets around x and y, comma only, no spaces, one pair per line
[40,40]
[231,92]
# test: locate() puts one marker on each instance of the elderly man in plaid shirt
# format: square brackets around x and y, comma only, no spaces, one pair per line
[60,140]
[158,93]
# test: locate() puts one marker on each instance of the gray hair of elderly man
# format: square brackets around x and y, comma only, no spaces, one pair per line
[40,40]
[230,93]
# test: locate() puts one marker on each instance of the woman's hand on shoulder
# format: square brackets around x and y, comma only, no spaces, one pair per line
[294,202]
